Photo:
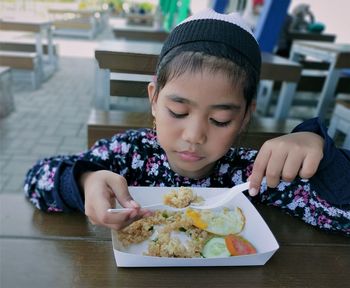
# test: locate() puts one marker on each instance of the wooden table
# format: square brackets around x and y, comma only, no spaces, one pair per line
[78,22]
[40,28]
[64,250]
[76,12]
[140,57]
[337,55]
[299,35]
[137,32]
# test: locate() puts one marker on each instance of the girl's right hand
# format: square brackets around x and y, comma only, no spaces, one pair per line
[102,189]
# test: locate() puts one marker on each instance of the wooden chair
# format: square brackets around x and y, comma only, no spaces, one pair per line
[340,122]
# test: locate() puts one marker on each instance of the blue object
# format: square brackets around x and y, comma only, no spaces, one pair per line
[270,23]
[220,5]
[345,72]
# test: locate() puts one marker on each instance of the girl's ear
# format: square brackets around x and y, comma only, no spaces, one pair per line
[151,90]
[247,116]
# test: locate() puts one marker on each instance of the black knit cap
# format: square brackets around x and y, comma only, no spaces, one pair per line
[202,31]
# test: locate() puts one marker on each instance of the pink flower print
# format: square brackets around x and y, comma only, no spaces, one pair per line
[116,147]
[34,195]
[101,152]
[54,209]
[301,193]
[249,170]
[323,221]
[312,209]
[150,135]
[149,164]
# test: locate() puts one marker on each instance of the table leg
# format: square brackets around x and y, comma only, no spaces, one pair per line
[102,94]
[39,51]
[50,48]
[328,91]
[346,144]
[264,96]
[285,100]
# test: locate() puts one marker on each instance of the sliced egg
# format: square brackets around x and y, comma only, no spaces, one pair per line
[219,222]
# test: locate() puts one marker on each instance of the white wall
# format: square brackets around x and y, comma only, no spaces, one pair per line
[335,14]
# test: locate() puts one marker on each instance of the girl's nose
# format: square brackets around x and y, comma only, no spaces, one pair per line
[195,132]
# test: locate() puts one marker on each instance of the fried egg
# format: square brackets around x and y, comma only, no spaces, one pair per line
[219,222]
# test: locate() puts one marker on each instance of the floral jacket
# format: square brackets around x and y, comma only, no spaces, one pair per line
[322,201]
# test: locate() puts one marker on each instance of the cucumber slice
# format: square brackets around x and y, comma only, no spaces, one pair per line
[215,247]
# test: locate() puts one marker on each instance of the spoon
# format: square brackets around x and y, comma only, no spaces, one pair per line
[209,203]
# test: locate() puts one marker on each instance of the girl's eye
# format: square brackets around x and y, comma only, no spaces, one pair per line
[215,122]
[220,124]
[177,115]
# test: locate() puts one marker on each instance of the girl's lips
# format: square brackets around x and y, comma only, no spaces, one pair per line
[189,156]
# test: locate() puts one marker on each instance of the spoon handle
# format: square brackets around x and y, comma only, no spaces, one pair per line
[151,207]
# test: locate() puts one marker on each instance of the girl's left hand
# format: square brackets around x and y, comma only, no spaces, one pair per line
[286,157]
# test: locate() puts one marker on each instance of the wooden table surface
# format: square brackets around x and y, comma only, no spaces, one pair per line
[31,25]
[299,35]
[140,57]
[64,250]
[82,12]
[121,29]
[326,51]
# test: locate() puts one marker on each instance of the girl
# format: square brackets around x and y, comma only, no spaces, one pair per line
[202,100]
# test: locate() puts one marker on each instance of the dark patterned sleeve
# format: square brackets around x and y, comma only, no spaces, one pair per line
[302,200]
[324,200]
[52,183]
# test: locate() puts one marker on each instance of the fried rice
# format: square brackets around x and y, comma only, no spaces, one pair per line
[163,229]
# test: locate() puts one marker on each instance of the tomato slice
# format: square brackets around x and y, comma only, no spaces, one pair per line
[237,245]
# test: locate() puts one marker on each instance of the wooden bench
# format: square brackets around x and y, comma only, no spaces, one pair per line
[79,27]
[24,46]
[129,34]
[122,30]
[140,19]
[27,61]
[129,85]
[30,46]
[7,104]
[105,124]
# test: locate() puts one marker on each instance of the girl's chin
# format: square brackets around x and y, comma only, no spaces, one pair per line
[191,172]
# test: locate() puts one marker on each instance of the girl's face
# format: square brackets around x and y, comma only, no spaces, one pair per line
[198,117]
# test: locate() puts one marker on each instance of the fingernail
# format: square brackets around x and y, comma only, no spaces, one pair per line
[253,192]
